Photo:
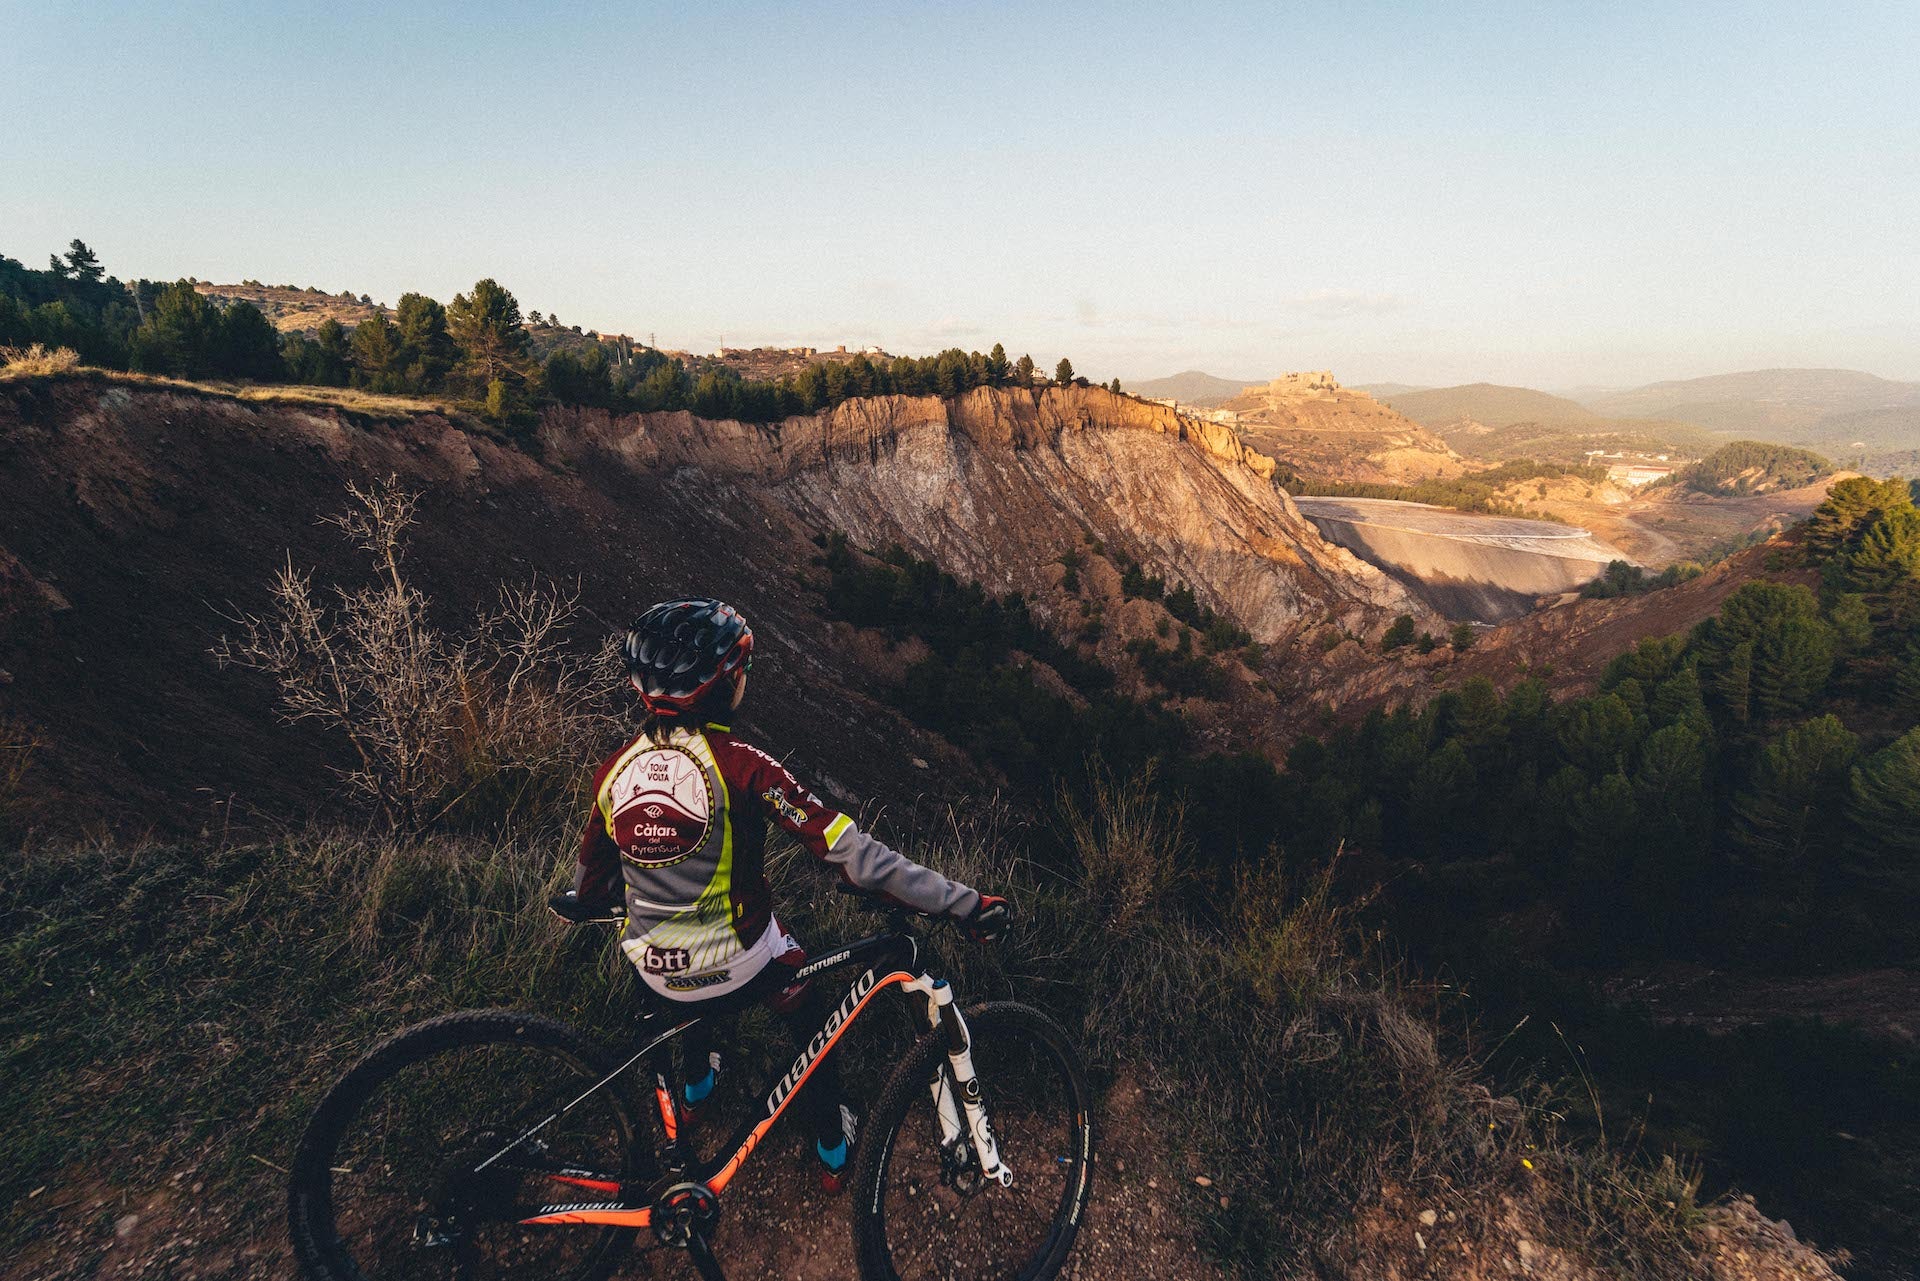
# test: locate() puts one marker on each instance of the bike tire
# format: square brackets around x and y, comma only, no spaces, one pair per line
[894,1152]
[317,1244]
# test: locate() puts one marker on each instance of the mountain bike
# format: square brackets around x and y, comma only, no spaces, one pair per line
[496,1143]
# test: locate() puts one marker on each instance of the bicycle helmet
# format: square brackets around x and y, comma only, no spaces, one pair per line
[679,650]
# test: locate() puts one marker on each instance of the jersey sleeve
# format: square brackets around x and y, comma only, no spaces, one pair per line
[596,869]
[832,838]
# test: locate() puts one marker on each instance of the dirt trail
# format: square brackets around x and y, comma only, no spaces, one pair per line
[776,1222]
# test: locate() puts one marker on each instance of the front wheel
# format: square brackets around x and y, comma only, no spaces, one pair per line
[920,1209]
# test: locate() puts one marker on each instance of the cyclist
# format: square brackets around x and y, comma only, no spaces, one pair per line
[680,816]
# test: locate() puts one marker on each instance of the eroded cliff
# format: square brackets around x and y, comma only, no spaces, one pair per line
[133,515]
[997,484]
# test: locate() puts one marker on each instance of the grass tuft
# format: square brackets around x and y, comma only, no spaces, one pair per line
[36,361]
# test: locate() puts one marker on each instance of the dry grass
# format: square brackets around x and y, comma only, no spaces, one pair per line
[37,361]
[352,399]
[22,365]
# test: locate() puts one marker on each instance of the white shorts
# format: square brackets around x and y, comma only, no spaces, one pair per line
[700,985]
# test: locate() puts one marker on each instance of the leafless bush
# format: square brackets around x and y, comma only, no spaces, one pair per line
[36,361]
[484,723]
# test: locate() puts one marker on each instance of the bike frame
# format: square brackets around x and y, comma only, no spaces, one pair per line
[892,961]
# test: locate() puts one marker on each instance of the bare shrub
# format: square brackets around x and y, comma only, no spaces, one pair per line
[480,725]
[37,361]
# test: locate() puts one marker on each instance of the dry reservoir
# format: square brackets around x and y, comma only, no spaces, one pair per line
[1466,566]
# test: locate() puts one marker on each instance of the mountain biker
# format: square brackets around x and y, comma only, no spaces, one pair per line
[680,816]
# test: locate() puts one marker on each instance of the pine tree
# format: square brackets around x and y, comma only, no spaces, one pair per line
[1791,665]
[334,355]
[1799,780]
[1849,506]
[426,349]
[1885,803]
[1598,734]
[1906,685]
[1677,701]
[182,336]
[1886,553]
[376,351]
[1733,684]
[249,344]
[486,327]
[1023,371]
[997,366]
[83,264]
[1398,633]
[1063,372]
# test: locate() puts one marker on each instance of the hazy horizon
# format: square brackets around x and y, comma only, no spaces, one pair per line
[1550,199]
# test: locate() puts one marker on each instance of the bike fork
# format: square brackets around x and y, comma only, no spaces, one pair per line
[944,1016]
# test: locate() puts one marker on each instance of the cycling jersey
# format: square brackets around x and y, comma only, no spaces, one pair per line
[684,820]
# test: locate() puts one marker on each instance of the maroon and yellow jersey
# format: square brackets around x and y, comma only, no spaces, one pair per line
[683,821]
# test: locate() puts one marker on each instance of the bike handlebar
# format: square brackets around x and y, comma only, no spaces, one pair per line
[569,907]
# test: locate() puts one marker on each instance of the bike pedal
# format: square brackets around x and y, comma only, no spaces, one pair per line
[834,1182]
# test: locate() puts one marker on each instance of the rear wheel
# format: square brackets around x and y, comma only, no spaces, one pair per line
[922,1211]
[410,1168]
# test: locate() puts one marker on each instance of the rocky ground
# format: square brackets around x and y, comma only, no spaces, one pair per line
[1143,1225]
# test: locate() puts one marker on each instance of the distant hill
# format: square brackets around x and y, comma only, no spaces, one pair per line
[1858,417]
[1380,391]
[1503,424]
[1192,386]
[1788,396]
[1489,404]
[1753,467]
[1571,442]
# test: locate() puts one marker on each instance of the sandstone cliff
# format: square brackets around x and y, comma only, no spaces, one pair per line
[996,484]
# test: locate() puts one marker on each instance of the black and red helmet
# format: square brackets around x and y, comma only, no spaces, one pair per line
[679,650]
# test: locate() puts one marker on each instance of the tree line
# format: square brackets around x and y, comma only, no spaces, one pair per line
[1749,466]
[477,349]
[1750,788]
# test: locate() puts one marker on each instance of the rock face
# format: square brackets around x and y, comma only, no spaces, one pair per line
[1316,427]
[133,510]
[997,484]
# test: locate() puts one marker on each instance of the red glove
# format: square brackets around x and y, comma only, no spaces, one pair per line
[990,919]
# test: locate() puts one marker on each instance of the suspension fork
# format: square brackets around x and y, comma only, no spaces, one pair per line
[966,1114]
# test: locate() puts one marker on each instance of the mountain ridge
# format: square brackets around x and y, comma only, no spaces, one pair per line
[1191,386]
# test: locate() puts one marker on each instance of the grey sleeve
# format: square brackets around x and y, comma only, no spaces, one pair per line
[875,867]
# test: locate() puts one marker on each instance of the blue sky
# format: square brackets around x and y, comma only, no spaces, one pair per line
[1545,194]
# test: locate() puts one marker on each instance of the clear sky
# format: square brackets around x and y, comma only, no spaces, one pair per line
[1549,194]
